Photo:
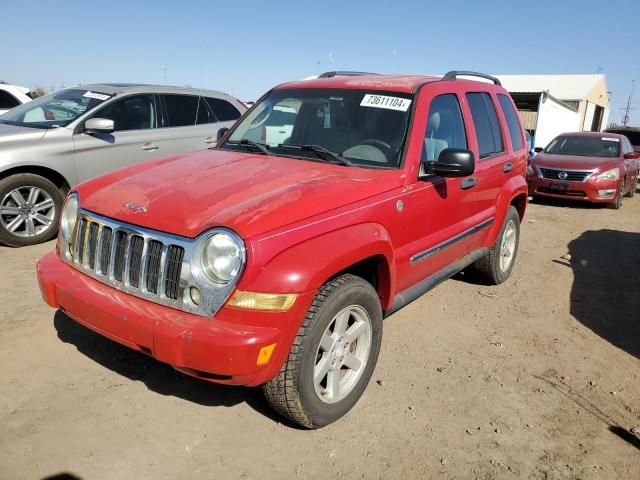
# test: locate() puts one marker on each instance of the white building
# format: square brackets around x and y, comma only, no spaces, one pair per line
[554,104]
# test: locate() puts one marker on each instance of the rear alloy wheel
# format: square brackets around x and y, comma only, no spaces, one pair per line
[497,263]
[333,356]
[29,210]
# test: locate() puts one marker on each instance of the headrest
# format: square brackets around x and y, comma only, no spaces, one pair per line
[434,121]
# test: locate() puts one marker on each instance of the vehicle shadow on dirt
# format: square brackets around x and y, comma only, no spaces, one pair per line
[158,377]
[605,293]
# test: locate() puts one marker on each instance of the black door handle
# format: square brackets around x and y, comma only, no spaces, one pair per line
[507,167]
[468,183]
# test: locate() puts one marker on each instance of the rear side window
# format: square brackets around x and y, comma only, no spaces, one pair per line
[182,110]
[445,127]
[7,100]
[223,110]
[485,120]
[512,121]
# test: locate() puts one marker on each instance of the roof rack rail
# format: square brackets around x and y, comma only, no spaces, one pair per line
[343,73]
[453,74]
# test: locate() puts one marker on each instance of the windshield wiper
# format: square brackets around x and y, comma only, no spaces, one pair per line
[250,143]
[321,152]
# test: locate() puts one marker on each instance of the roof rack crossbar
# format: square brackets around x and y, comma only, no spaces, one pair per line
[453,74]
[343,72]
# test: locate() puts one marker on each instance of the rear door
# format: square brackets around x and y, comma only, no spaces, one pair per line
[494,159]
[136,137]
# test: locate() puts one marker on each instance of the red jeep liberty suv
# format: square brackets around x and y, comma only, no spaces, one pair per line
[273,261]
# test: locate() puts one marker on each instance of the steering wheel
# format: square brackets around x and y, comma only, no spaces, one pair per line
[373,142]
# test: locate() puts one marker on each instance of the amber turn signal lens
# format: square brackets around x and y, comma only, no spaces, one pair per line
[262,301]
[264,355]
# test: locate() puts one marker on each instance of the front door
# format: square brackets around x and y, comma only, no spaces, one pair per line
[436,207]
[135,138]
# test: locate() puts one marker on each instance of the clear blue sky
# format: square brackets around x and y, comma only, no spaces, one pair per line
[246,47]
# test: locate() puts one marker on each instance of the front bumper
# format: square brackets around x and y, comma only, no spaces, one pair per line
[590,190]
[222,349]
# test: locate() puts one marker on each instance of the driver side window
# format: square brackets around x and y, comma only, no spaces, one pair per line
[445,127]
[136,112]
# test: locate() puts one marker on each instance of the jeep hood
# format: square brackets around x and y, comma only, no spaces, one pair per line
[248,193]
[13,133]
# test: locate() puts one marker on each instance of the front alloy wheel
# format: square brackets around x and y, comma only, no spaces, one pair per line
[29,209]
[332,357]
[342,354]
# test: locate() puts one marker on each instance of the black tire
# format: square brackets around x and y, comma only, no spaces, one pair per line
[617,202]
[292,393]
[632,191]
[20,181]
[489,264]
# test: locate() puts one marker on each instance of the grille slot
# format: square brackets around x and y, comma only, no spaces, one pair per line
[571,176]
[80,239]
[175,255]
[120,260]
[136,248]
[91,244]
[105,250]
[154,258]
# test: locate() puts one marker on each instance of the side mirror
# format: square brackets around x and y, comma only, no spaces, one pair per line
[452,162]
[632,155]
[221,133]
[99,125]
[538,149]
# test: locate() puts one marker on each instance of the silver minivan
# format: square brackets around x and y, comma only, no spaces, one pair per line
[54,142]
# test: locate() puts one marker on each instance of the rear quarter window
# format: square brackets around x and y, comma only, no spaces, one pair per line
[512,121]
[223,110]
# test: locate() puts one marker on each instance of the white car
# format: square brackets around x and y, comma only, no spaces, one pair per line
[12,96]
[274,126]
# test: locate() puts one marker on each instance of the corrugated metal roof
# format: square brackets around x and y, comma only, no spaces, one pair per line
[564,87]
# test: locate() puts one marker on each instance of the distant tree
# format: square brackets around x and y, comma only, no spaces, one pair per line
[38,92]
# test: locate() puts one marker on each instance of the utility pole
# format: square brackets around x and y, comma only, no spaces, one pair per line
[165,74]
[628,108]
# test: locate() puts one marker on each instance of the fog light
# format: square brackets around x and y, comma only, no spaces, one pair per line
[265,354]
[194,293]
[606,193]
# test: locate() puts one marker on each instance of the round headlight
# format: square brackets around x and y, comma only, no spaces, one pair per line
[69,216]
[221,258]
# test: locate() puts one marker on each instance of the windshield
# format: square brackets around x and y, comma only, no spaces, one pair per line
[352,127]
[584,146]
[55,110]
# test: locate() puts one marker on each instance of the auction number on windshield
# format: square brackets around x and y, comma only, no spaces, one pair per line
[382,101]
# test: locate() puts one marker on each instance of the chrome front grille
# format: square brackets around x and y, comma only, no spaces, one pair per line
[157,266]
[125,258]
[566,175]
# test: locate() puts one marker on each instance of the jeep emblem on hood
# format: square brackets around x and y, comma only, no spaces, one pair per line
[135,207]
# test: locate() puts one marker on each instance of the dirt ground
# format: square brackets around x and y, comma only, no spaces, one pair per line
[536,378]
